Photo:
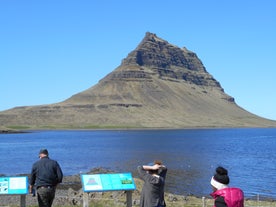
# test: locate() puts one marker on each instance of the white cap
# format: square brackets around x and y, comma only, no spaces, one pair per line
[217,184]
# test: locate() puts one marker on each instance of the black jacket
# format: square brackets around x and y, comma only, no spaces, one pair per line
[46,172]
[219,202]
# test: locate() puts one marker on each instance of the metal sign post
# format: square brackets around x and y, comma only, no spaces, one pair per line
[129,198]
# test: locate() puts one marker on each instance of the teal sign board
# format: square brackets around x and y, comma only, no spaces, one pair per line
[14,185]
[107,182]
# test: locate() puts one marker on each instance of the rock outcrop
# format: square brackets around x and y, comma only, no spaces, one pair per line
[158,85]
[169,62]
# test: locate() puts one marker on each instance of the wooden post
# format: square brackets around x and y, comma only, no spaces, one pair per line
[22,200]
[129,198]
[203,202]
[85,199]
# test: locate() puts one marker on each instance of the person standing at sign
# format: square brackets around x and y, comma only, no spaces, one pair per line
[154,176]
[46,175]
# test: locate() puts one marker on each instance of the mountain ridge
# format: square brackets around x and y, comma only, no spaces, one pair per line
[158,85]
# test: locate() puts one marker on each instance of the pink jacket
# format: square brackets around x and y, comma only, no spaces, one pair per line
[233,197]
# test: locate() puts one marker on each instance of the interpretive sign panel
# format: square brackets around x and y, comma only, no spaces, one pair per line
[14,185]
[107,182]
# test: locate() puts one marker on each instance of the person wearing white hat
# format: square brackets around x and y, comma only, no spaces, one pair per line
[224,195]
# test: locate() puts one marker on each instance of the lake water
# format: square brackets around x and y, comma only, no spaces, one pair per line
[191,155]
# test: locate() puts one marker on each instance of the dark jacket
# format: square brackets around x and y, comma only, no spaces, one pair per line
[153,189]
[46,172]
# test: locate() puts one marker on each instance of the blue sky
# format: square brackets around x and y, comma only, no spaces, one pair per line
[51,50]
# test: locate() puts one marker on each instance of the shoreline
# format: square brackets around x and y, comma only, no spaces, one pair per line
[29,129]
[74,182]
[70,193]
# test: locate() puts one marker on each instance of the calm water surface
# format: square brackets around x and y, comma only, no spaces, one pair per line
[190,155]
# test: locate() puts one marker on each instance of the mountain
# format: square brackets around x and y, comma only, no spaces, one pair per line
[158,85]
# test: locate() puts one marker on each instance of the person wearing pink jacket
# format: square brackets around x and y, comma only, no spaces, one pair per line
[224,195]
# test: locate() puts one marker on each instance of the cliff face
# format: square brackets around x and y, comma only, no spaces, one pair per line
[169,61]
[156,85]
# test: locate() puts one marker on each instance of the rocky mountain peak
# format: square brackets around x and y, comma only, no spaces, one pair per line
[156,52]
[169,61]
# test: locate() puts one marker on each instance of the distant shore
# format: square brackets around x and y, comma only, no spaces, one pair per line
[22,129]
[5,130]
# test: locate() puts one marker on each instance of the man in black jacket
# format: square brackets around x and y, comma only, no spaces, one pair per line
[46,175]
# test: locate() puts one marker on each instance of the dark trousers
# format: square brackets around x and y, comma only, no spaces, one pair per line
[45,196]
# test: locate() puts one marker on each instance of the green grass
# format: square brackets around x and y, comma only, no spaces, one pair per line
[19,127]
[59,127]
